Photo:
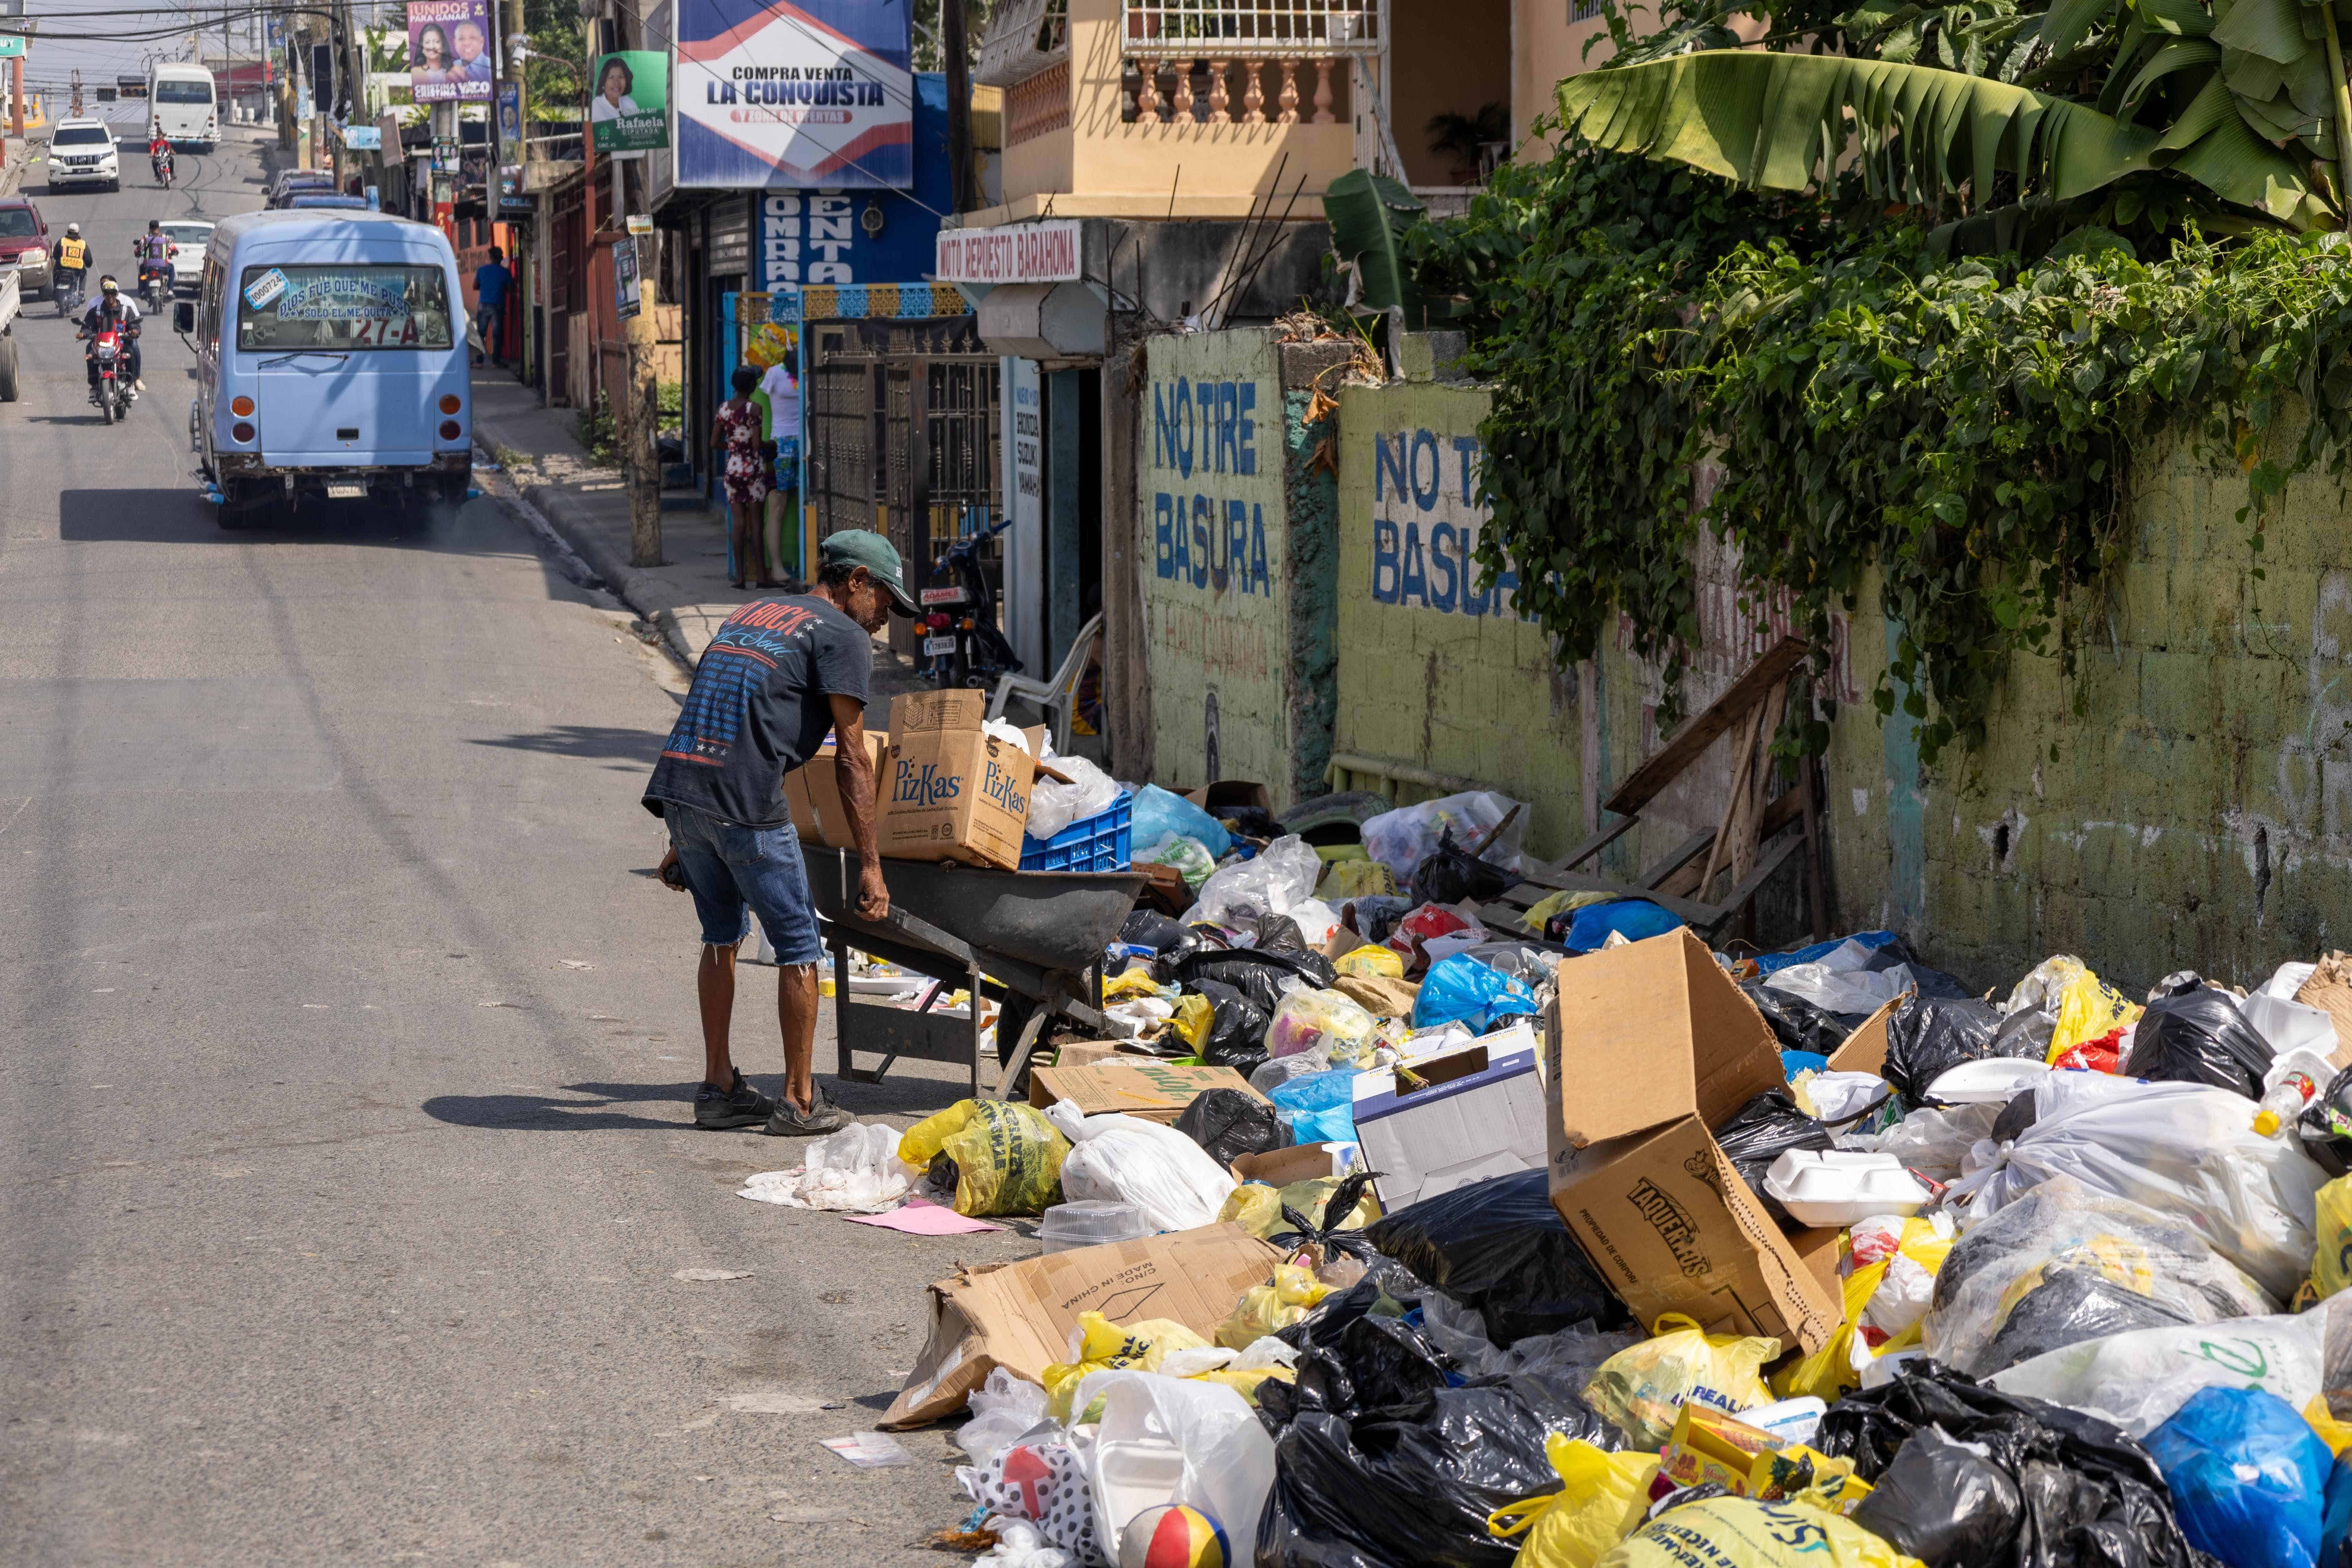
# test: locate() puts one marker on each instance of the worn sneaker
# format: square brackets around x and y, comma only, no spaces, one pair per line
[718,1110]
[821,1116]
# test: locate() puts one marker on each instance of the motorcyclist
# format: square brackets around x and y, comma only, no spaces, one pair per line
[112,308]
[152,251]
[159,155]
[69,260]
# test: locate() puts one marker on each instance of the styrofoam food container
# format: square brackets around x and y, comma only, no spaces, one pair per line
[1992,1080]
[1839,1187]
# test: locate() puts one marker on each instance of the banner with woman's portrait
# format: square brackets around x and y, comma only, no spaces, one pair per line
[449,59]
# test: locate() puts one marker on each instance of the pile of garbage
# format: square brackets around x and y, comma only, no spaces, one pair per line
[1816,1253]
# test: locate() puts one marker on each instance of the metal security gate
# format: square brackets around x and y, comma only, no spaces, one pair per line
[903,422]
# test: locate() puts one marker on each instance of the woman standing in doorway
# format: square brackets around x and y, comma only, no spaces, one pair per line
[735,433]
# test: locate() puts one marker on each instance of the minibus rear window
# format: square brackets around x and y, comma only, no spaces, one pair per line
[342,308]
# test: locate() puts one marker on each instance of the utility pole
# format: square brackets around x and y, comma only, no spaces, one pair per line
[641,398]
[963,189]
[73,110]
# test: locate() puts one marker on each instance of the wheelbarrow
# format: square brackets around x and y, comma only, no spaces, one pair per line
[1034,934]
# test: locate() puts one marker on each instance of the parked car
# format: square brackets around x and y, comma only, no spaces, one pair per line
[82,153]
[188,237]
[291,181]
[25,245]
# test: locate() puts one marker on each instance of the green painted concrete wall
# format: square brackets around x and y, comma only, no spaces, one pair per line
[1238,531]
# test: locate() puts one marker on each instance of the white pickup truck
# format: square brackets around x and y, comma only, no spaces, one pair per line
[11,297]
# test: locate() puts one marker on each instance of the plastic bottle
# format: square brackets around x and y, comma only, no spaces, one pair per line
[2284,1103]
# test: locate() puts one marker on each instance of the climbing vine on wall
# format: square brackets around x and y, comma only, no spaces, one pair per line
[1965,424]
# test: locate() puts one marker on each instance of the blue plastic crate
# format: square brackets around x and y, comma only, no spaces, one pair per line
[1102,842]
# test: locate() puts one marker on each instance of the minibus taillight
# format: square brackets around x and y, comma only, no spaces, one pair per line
[241,406]
[450,403]
[451,430]
[240,431]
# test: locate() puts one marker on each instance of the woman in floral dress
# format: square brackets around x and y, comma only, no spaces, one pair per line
[735,433]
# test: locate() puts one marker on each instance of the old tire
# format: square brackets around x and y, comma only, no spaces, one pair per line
[8,370]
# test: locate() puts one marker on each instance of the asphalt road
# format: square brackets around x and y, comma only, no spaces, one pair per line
[346,1046]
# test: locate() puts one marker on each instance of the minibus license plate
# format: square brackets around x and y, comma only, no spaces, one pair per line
[345,491]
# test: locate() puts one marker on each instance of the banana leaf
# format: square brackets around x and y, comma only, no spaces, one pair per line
[1368,215]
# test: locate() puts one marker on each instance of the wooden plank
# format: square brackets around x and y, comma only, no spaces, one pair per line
[1599,841]
[1666,764]
[1683,854]
[1502,917]
[1740,896]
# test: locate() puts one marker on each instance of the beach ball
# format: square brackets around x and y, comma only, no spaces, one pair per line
[1173,1536]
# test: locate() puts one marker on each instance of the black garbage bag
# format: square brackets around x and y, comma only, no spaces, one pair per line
[2197,1035]
[2068,1306]
[1325,1228]
[1375,915]
[1413,1482]
[1759,1133]
[1255,972]
[1280,935]
[1229,1123]
[2326,1126]
[1449,873]
[1798,1025]
[1928,1036]
[2091,1497]
[1500,1247]
[1237,1037]
[1166,937]
[1944,1503]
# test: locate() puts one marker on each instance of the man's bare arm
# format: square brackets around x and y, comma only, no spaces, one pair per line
[855,775]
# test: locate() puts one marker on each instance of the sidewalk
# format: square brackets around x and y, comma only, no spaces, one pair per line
[687,598]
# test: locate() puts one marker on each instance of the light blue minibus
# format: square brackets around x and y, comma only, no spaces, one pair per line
[330,363]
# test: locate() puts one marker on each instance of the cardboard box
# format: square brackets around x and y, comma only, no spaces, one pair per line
[1134,1085]
[950,791]
[813,790]
[1019,1316]
[1280,1167]
[1221,798]
[1480,1113]
[1086,1053]
[1649,1046]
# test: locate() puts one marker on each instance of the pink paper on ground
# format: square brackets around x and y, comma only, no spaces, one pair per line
[919,1218]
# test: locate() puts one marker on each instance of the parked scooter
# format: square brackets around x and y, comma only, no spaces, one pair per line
[960,635]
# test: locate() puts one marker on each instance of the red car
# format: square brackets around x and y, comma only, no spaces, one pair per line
[25,245]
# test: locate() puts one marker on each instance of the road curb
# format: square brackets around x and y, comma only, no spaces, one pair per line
[552,513]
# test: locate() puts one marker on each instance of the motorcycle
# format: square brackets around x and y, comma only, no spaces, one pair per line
[70,296]
[162,165]
[155,284]
[960,634]
[112,356]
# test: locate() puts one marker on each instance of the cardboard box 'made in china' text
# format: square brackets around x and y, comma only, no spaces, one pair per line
[1649,1046]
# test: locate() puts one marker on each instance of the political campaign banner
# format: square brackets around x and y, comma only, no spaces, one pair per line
[449,51]
[786,96]
[629,111]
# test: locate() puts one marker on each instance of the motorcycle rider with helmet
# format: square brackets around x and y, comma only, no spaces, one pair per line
[153,253]
[159,156]
[69,260]
[112,308]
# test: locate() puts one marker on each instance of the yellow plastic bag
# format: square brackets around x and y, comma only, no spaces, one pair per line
[1796,1474]
[1257,1208]
[1376,961]
[1835,1369]
[1008,1158]
[1736,1530]
[2331,1258]
[1105,1346]
[2336,1435]
[2087,1006]
[1134,982]
[1602,1497]
[1355,878]
[1642,1387]
[1195,1014]
[1268,1308]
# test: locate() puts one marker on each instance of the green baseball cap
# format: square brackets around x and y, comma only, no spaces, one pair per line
[864,547]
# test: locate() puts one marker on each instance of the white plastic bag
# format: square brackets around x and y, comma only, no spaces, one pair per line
[1003,1410]
[1403,839]
[1283,875]
[1054,805]
[2137,1380]
[1175,1182]
[1839,981]
[2181,1149]
[1167,1440]
[1316,921]
[853,1171]
[1933,1141]
[1991,1309]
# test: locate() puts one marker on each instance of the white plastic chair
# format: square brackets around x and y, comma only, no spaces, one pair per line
[1055,696]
